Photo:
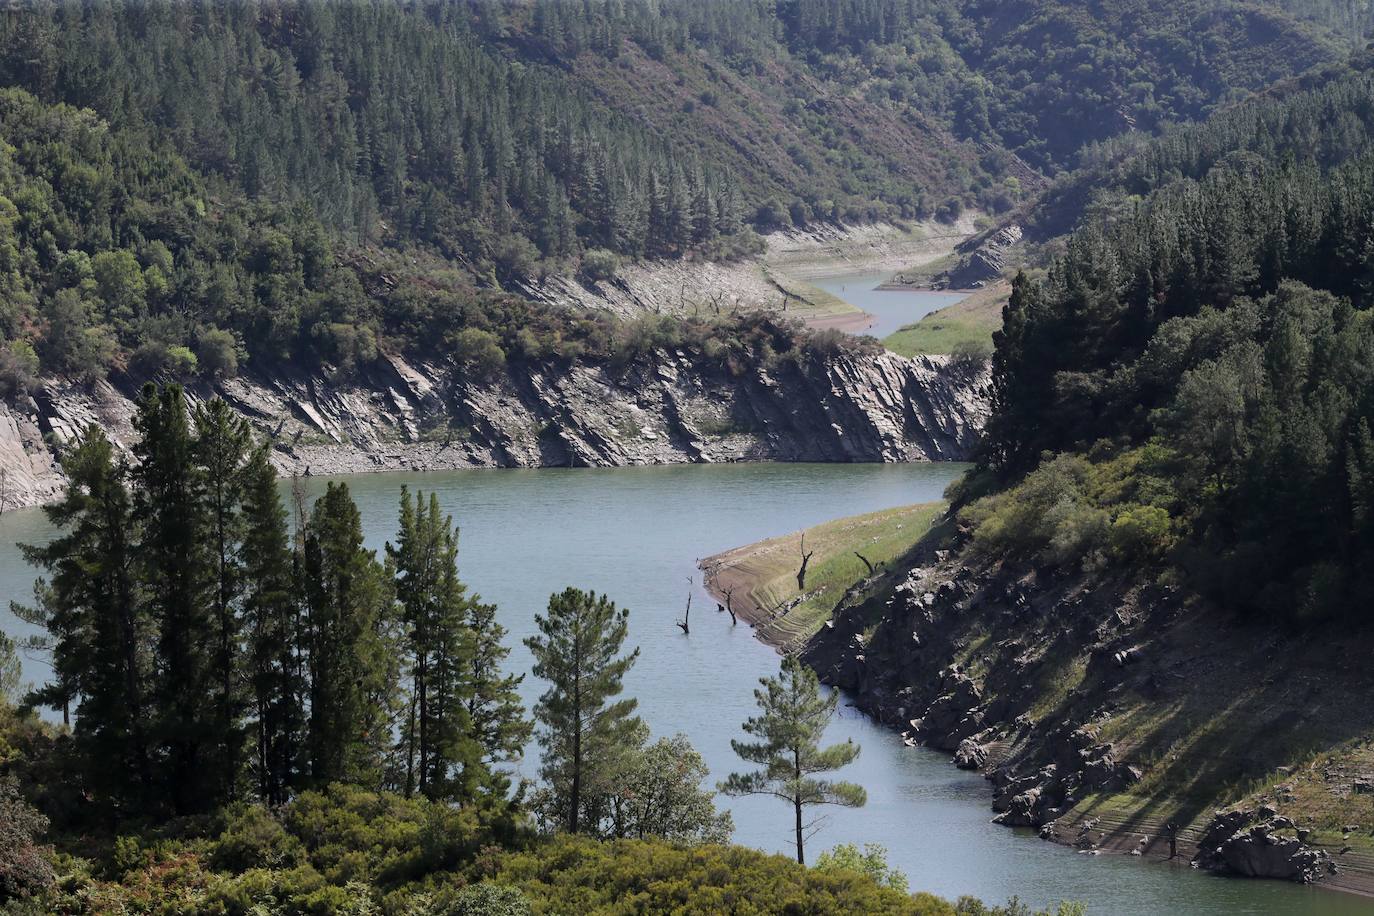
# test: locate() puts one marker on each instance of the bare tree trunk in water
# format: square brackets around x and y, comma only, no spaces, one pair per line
[729,606]
[805,559]
[688,615]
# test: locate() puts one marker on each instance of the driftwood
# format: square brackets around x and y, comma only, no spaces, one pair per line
[870,566]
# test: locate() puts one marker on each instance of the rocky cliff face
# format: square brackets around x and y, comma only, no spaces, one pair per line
[668,407]
[1104,708]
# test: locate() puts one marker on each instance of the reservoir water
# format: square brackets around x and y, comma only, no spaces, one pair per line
[636,534]
[891,309]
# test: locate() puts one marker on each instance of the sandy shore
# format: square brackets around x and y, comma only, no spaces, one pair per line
[855,322]
[725,582]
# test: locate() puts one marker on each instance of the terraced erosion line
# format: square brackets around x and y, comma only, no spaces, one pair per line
[759,582]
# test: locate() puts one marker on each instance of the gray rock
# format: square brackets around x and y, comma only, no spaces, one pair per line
[1249,844]
[397,415]
[970,755]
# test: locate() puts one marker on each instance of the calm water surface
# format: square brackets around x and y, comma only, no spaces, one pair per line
[636,534]
[891,309]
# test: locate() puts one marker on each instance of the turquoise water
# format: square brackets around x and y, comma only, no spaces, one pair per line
[636,533]
[890,309]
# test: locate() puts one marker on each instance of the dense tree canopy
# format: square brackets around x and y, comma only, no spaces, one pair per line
[1208,346]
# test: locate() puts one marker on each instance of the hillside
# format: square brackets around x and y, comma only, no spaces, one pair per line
[1103,708]
[1149,600]
[317,183]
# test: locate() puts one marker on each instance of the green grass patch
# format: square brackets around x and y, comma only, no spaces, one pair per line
[969,321]
[767,570]
[936,336]
[808,301]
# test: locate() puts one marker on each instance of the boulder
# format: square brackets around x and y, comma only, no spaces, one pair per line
[1259,844]
[970,755]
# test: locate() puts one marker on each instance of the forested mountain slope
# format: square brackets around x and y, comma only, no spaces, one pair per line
[507,133]
[191,189]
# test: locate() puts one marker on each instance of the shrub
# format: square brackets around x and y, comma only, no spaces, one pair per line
[970,357]
[25,867]
[872,861]
[1143,533]
[578,875]
[18,368]
[218,351]
[181,362]
[346,345]
[599,264]
[253,838]
[155,358]
[478,352]
[483,899]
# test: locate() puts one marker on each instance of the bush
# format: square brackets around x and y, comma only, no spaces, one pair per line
[254,838]
[25,867]
[599,264]
[346,345]
[73,343]
[155,358]
[483,899]
[18,369]
[872,861]
[479,352]
[970,357]
[1142,533]
[218,351]
[578,875]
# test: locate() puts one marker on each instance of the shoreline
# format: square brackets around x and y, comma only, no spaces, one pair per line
[891,287]
[850,322]
[1140,840]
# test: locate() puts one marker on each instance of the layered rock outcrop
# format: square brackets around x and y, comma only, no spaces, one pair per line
[670,406]
[1261,844]
[1075,692]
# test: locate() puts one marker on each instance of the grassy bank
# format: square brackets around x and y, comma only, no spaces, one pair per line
[808,302]
[761,578]
[968,321]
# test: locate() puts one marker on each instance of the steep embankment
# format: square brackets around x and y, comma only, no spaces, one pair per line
[665,407]
[1102,709]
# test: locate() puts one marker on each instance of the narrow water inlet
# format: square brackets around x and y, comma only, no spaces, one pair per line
[889,309]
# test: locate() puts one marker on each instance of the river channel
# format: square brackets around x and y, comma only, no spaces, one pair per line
[636,533]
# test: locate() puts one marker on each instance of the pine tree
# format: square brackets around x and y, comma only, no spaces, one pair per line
[220,447]
[496,717]
[174,575]
[274,632]
[436,735]
[790,728]
[352,679]
[581,726]
[100,638]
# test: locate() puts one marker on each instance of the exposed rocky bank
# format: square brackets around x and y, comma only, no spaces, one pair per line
[666,407]
[1111,714]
